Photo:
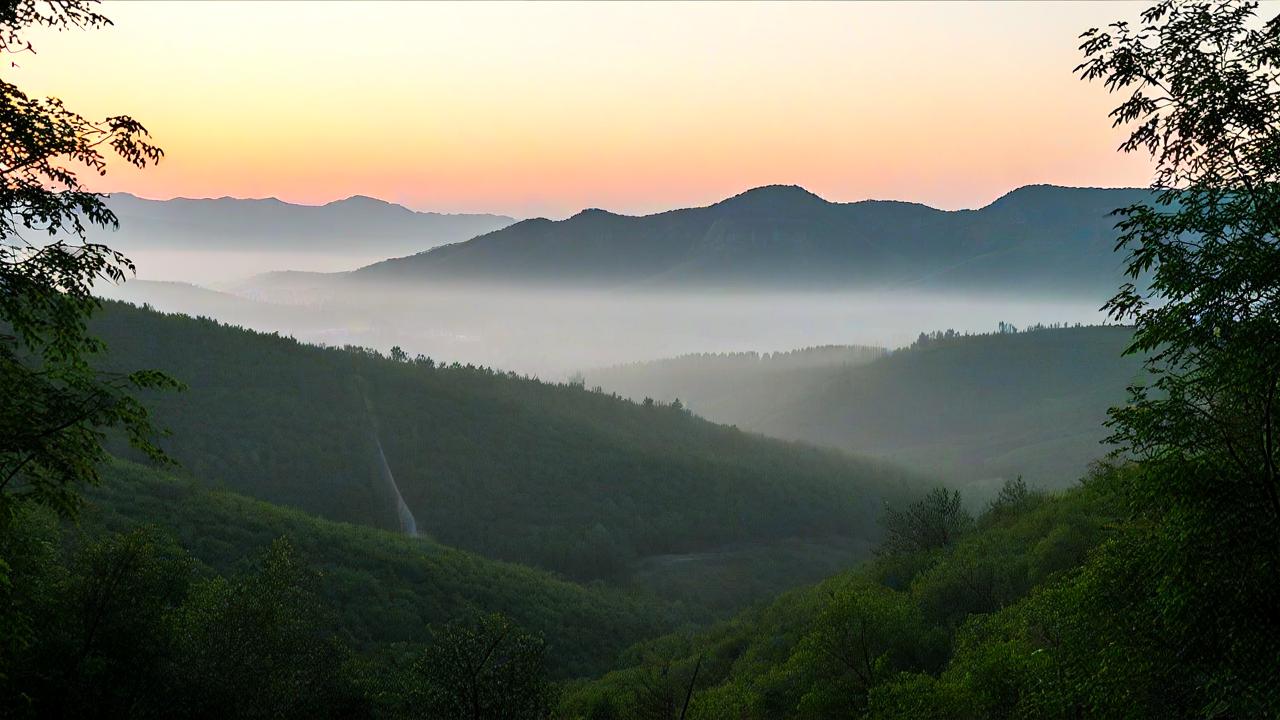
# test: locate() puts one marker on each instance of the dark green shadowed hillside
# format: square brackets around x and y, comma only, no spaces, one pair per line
[383,589]
[551,475]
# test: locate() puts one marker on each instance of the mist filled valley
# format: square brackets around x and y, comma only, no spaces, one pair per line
[623,337]
[555,334]
[624,361]
[771,269]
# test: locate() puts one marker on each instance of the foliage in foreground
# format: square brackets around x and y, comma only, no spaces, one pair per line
[129,628]
[1053,607]
[830,650]
[53,403]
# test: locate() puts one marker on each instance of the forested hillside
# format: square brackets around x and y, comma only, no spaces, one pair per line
[382,588]
[713,385]
[1037,239]
[869,642]
[555,476]
[167,599]
[972,409]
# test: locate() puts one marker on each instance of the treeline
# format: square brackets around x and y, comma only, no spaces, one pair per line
[802,357]
[717,385]
[927,339]
[512,468]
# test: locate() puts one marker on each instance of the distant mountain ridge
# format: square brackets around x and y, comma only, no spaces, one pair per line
[1039,237]
[270,224]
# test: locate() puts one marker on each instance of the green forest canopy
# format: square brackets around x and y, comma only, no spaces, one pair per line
[512,468]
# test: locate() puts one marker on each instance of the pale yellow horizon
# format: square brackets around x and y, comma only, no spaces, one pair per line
[546,108]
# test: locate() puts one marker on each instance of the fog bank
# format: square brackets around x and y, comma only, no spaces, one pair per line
[553,334]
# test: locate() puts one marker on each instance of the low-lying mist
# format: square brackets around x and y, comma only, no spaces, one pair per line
[217,268]
[553,334]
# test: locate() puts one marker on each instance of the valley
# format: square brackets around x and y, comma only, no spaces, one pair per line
[639,361]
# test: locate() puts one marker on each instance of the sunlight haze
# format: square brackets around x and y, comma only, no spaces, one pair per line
[639,360]
[543,109]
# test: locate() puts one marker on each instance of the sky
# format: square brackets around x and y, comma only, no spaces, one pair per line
[533,109]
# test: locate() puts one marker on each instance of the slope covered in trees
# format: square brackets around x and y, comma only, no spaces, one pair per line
[168,599]
[551,475]
[381,590]
[1037,239]
[973,409]
[857,644]
[714,385]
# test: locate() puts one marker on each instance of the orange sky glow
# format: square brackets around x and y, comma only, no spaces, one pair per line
[543,109]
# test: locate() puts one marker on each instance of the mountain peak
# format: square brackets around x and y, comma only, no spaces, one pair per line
[1045,192]
[774,197]
[594,212]
[364,201]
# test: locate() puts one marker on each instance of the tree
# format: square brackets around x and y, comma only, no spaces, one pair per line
[252,646]
[1012,499]
[1201,86]
[1012,494]
[53,404]
[33,580]
[104,640]
[863,635]
[1204,93]
[664,689]
[484,669]
[934,522]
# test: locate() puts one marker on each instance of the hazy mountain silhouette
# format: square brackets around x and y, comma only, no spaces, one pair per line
[367,225]
[1045,238]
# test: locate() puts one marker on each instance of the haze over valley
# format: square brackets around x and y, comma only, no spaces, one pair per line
[220,240]
[772,269]
[639,361]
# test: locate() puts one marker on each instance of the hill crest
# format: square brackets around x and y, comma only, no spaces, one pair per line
[1044,239]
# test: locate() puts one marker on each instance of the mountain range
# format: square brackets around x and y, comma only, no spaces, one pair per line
[1040,238]
[270,224]
[218,240]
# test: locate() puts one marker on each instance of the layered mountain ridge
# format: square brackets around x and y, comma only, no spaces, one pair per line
[1044,238]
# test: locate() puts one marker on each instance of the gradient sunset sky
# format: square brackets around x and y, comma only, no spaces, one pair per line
[543,109]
